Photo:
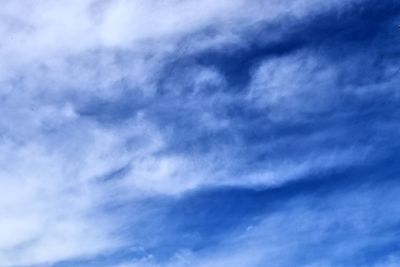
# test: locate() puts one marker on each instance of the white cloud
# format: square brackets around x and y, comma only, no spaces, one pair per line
[294,86]
[46,34]
[56,56]
[45,212]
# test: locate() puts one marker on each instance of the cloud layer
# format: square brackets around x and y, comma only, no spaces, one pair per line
[118,114]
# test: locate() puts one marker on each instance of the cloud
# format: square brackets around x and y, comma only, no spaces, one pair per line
[105,103]
[44,213]
[310,89]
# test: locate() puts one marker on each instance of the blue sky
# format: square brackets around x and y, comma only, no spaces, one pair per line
[174,133]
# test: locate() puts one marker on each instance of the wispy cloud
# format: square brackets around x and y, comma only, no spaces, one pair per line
[110,104]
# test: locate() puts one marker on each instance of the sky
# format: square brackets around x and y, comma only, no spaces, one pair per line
[201,133]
